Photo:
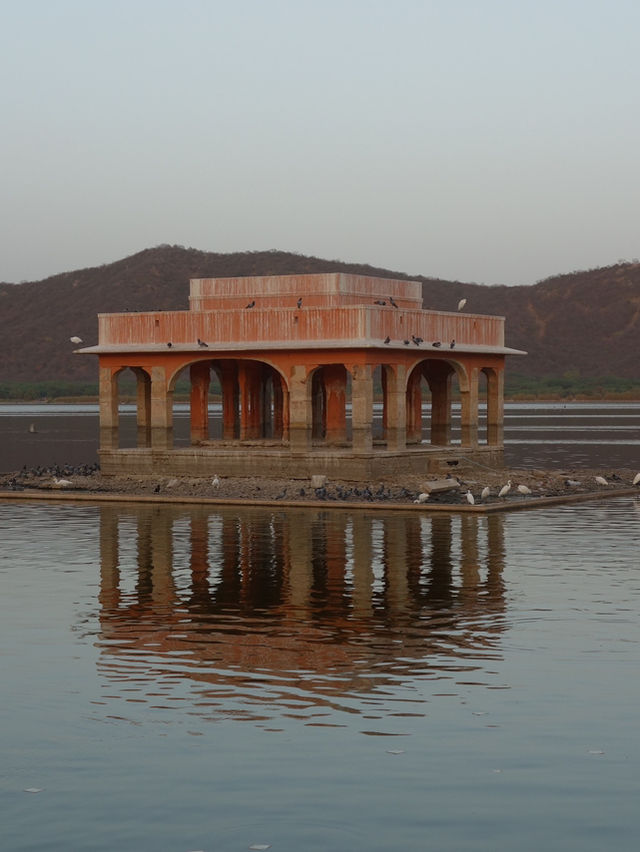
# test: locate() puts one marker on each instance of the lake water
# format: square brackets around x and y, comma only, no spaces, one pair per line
[182,679]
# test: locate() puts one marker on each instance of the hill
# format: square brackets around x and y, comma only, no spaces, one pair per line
[582,324]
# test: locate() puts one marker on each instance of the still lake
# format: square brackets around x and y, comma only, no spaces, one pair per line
[197,678]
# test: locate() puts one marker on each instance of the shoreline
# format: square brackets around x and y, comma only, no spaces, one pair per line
[541,488]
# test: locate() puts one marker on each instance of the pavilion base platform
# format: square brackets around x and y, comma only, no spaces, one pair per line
[255,460]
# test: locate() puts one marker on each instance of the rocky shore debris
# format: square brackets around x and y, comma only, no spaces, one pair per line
[485,487]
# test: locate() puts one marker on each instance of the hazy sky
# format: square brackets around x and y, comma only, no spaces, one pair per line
[494,141]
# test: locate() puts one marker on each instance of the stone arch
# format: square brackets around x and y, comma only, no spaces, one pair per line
[439,374]
[255,399]
[124,433]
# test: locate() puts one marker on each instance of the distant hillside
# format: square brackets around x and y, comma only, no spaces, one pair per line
[584,323]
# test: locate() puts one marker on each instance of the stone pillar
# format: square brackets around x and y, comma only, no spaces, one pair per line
[278,407]
[362,408]
[440,408]
[200,376]
[143,408]
[395,406]
[250,395]
[335,388]
[413,408]
[161,410]
[300,410]
[230,401]
[495,407]
[469,411]
[108,409]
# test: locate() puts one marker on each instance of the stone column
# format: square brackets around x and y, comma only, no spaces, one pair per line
[300,410]
[495,407]
[395,406]
[440,409]
[108,409]
[469,411]
[362,408]
[143,408]
[230,401]
[335,386]
[413,408]
[200,378]
[161,410]
[250,395]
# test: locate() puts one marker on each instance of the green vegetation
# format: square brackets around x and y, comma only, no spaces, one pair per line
[570,385]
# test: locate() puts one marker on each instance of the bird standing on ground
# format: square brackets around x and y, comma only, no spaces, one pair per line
[215,481]
[505,489]
[601,480]
[524,490]
[461,304]
[470,498]
[422,497]
[485,492]
[62,483]
[636,479]
[75,339]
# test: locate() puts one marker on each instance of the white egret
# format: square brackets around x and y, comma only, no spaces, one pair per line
[636,479]
[422,498]
[524,490]
[75,339]
[215,481]
[470,497]
[62,483]
[485,492]
[505,489]
[461,304]
[601,480]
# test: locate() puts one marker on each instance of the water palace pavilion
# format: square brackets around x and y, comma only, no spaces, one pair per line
[297,362]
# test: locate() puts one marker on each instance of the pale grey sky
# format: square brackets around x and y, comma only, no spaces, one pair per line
[493,141]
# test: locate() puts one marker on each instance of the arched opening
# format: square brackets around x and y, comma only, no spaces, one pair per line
[432,415]
[231,400]
[132,388]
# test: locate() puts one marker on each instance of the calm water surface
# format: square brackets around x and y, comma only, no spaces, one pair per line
[182,680]
[209,680]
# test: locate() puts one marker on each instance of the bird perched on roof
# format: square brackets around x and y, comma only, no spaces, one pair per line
[75,339]
[387,339]
[391,302]
[379,302]
[461,304]
[406,342]
[169,345]
[437,344]
[299,302]
[452,344]
[416,340]
[202,343]
[251,304]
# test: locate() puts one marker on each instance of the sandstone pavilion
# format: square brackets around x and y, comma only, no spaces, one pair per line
[295,375]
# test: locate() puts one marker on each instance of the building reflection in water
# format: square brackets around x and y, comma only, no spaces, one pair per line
[260,614]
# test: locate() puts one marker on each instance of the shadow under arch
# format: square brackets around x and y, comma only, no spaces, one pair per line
[439,375]
[253,395]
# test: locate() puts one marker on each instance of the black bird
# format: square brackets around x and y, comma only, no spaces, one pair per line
[416,340]
[406,342]
[251,304]
[391,302]
[436,343]
[299,302]
[379,302]
[202,343]
[169,345]
[387,340]
[452,344]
